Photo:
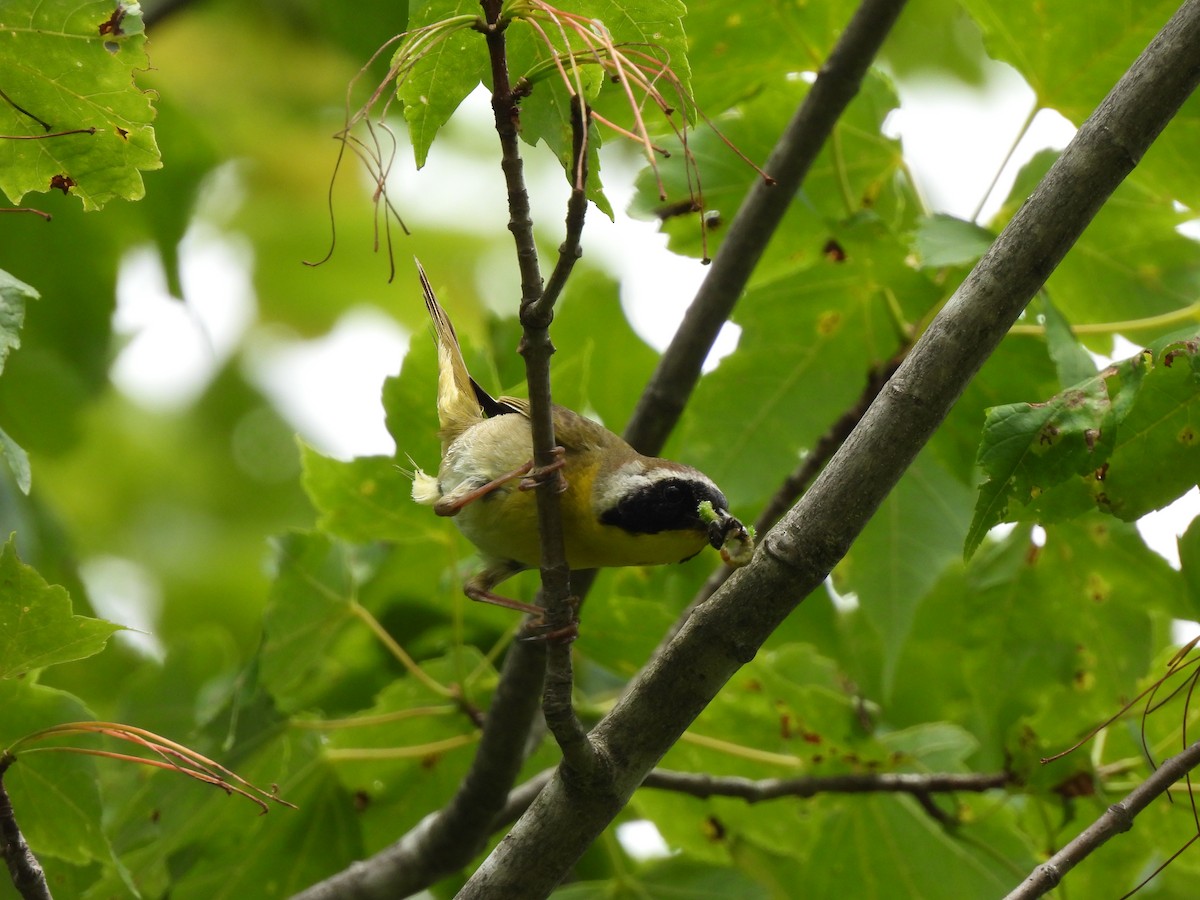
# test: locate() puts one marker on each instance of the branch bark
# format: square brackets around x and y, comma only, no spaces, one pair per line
[27,875]
[796,556]
[703,785]
[1116,819]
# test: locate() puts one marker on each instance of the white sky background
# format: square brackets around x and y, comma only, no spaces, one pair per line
[329,387]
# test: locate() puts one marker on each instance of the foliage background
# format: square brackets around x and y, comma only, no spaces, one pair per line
[268,561]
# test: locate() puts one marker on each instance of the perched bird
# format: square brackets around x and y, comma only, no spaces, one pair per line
[619,508]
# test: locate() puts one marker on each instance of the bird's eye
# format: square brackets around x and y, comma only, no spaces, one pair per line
[672,493]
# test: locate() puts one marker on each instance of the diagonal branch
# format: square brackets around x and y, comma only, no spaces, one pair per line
[750,231]
[796,556]
[1116,819]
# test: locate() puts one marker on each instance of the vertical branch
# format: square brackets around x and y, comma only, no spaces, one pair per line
[27,875]
[537,312]
[557,705]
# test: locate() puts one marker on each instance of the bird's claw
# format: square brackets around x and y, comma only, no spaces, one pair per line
[538,475]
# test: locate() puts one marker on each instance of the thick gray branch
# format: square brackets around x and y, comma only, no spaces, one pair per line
[796,556]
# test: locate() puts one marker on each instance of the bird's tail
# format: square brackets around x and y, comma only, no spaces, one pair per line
[457,405]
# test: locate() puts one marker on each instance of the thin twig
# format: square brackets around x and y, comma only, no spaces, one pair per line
[558,702]
[702,785]
[1116,819]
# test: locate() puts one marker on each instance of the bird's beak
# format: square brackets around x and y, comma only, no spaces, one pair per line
[733,539]
[722,528]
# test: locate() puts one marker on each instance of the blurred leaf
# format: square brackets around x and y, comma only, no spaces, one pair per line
[859,172]
[71,68]
[944,240]
[731,61]
[601,364]
[312,600]
[18,461]
[935,23]
[1071,360]
[14,294]
[291,849]
[870,848]
[1131,263]
[54,795]
[361,500]
[902,552]
[676,878]
[37,628]
[1189,560]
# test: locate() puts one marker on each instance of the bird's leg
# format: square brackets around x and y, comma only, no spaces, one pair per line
[479,587]
[536,476]
[542,631]
[455,501]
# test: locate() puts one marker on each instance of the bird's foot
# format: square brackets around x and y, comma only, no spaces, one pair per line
[538,475]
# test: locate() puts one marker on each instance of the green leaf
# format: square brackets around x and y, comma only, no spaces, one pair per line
[733,62]
[1071,624]
[14,294]
[945,240]
[69,67]
[1069,56]
[366,499]
[808,344]
[291,849]
[1131,263]
[1189,561]
[1072,57]
[37,628]
[1071,360]
[904,549]
[1157,455]
[448,68]
[676,878]
[1090,445]
[601,364]
[860,172]
[18,461]
[312,600]
[54,795]
[885,847]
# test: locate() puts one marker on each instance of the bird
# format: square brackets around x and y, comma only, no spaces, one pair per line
[619,507]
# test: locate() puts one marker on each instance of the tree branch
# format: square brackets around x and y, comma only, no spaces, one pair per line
[702,785]
[558,700]
[756,791]
[27,875]
[797,555]
[446,840]
[750,231]
[1116,819]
